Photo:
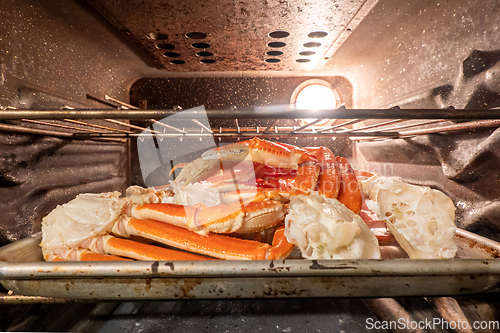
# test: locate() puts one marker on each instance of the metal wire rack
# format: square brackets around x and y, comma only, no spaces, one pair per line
[96,124]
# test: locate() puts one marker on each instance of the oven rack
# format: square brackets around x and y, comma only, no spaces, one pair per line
[394,123]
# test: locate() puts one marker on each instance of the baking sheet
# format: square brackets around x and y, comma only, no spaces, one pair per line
[475,271]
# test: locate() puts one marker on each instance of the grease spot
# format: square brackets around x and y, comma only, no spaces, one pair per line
[316,265]
[154,268]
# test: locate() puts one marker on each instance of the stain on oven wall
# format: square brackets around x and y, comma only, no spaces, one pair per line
[228,93]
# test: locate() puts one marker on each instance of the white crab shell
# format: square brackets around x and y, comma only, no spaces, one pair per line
[324,228]
[421,219]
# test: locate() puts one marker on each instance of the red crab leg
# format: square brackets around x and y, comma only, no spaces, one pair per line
[281,247]
[90,256]
[350,193]
[328,181]
[279,156]
[329,178]
[131,249]
[215,245]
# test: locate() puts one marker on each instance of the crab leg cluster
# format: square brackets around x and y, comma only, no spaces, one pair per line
[256,182]
[95,227]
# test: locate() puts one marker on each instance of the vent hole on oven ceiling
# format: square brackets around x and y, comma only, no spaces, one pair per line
[302,61]
[312,44]
[164,46]
[279,34]
[200,45]
[276,44]
[272,60]
[172,54]
[157,36]
[307,53]
[317,34]
[177,62]
[196,35]
[204,54]
[274,53]
[207,61]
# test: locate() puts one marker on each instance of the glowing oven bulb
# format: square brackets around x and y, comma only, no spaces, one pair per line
[316,96]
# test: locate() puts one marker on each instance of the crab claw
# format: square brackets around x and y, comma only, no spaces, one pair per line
[211,162]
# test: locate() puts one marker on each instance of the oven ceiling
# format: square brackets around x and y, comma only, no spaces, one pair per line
[228,35]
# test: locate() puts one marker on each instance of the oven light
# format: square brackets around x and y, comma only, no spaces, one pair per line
[313,95]
[316,97]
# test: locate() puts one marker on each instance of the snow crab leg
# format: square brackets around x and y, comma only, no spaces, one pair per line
[274,172]
[258,151]
[250,216]
[350,192]
[214,245]
[334,176]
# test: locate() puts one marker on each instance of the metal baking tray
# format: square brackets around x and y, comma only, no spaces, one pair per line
[475,271]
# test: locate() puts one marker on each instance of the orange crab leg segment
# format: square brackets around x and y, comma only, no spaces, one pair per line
[223,218]
[90,256]
[214,245]
[199,218]
[140,251]
[281,247]
[279,156]
[329,178]
[350,193]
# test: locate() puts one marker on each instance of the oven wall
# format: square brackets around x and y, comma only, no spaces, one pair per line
[430,54]
[66,50]
[56,54]
[423,54]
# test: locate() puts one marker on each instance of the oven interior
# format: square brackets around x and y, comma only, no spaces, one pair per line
[243,57]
